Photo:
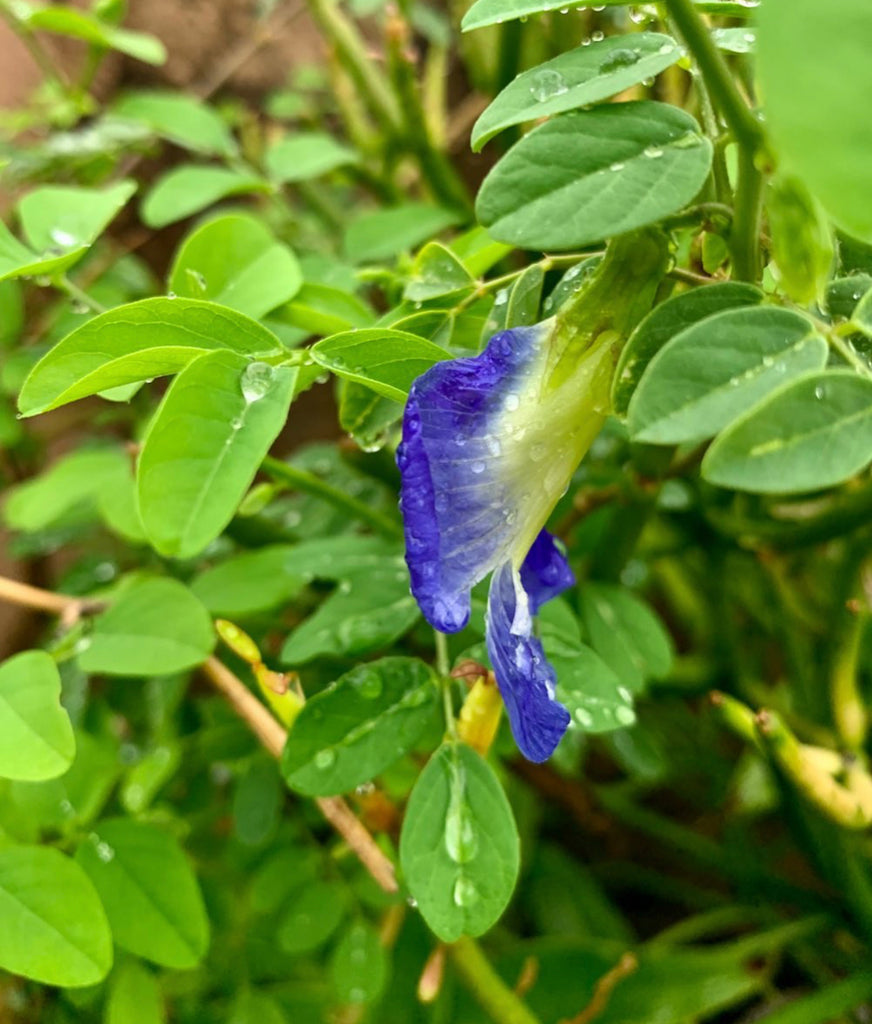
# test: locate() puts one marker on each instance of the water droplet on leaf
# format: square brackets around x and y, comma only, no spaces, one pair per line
[548,83]
[255,381]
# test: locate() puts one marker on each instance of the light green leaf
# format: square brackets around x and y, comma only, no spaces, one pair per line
[714,370]
[495,12]
[666,321]
[522,308]
[577,78]
[589,175]
[815,432]
[156,627]
[137,342]
[459,847]
[150,893]
[134,997]
[16,260]
[350,732]
[437,272]
[54,928]
[185,120]
[306,155]
[250,582]
[188,189]
[386,361]
[818,118]
[204,446]
[67,21]
[359,967]
[256,1008]
[381,235]
[321,309]
[364,614]
[626,634]
[64,218]
[36,738]
[235,261]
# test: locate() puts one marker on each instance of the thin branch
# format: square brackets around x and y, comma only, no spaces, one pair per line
[68,607]
[604,988]
[272,736]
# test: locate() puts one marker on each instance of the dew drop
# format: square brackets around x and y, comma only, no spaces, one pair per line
[653,152]
[197,280]
[236,422]
[625,694]
[461,840]
[477,467]
[255,381]
[367,683]
[820,392]
[625,715]
[616,166]
[62,238]
[621,58]
[689,140]
[325,759]
[512,402]
[583,718]
[597,36]
[465,893]
[546,84]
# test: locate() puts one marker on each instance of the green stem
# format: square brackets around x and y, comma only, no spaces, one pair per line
[352,52]
[77,294]
[36,50]
[302,480]
[745,236]
[489,990]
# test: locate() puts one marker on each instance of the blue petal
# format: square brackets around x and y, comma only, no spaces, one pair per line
[459,494]
[545,572]
[524,675]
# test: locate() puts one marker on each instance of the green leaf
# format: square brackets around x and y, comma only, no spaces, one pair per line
[74,481]
[11,312]
[359,967]
[67,21]
[313,915]
[820,130]
[802,239]
[204,446]
[137,342]
[495,12]
[54,928]
[583,76]
[64,218]
[257,801]
[522,309]
[156,627]
[235,261]
[815,432]
[134,997]
[362,615]
[381,235]
[350,732]
[386,361]
[437,272]
[666,321]
[830,1002]
[185,120]
[714,370]
[191,188]
[321,309]
[16,260]
[367,416]
[626,634]
[306,155]
[844,293]
[589,175]
[253,581]
[36,738]
[150,893]
[345,558]
[256,1008]
[459,847]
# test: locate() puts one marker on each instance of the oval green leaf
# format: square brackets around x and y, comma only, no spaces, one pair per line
[204,446]
[156,627]
[184,120]
[358,726]
[252,581]
[235,261]
[583,76]
[54,928]
[186,190]
[384,360]
[150,893]
[813,433]
[714,370]
[134,996]
[459,847]
[359,968]
[383,234]
[665,322]
[36,737]
[589,175]
[137,342]
[306,155]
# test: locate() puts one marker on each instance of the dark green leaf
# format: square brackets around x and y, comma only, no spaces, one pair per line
[525,297]
[156,627]
[437,271]
[359,967]
[585,75]
[350,732]
[204,446]
[315,912]
[666,321]
[714,370]
[589,175]
[149,891]
[459,847]
[36,738]
[813,433]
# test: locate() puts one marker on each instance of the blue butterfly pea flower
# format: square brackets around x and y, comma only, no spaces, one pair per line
[489,445]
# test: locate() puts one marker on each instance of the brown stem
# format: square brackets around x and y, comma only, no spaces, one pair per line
[68,607]
[603,990]
[273,736]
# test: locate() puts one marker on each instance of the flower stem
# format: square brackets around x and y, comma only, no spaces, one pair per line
[490,991]
[303,480]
